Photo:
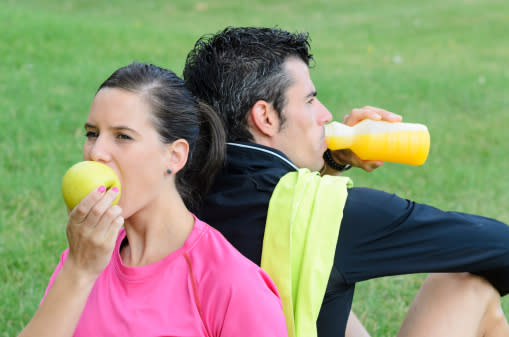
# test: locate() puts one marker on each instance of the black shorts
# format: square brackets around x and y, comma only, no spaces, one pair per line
[382,234]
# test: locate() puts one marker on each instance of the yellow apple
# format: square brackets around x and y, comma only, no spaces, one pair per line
[83,177]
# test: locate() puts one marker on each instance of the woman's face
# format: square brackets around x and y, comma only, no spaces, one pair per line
[119,134]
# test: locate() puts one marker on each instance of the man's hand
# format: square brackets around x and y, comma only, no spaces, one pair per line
[369,112]
[355,116]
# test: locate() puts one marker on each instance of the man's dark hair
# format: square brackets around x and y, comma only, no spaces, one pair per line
[234,68]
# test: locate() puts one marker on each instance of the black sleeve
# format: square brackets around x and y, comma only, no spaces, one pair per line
[382,234]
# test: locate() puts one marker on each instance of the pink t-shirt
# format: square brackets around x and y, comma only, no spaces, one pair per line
[205,288]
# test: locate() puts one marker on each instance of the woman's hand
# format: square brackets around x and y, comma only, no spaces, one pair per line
[92,231]
[355,116]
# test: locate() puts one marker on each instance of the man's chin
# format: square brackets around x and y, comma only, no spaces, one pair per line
[317,166]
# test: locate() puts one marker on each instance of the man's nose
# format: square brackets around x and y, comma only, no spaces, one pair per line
[325,115]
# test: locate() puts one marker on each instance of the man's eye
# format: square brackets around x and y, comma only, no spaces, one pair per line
[91,134]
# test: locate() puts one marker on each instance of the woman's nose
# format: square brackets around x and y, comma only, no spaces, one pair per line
[99,151]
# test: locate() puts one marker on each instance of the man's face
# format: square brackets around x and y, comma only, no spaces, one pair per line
[302,136]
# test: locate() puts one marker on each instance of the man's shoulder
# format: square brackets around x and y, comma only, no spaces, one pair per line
[251,171]
[256,155]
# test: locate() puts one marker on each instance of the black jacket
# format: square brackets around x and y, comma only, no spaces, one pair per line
[239,199]
[381,234]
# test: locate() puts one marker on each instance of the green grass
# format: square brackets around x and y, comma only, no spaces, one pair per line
[441,63]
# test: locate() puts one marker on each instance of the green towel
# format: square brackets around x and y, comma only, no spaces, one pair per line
[301,234]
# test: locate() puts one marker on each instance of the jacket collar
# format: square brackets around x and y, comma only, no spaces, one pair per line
[253,154]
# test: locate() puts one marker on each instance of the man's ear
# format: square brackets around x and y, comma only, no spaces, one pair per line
[264,119]
[178,152]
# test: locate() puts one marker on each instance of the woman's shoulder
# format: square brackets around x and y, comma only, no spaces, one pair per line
[217,264]
[216,246]
[233,289]
[214,252]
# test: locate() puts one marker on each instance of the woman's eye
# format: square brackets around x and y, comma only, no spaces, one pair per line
[123,136]
[91,134]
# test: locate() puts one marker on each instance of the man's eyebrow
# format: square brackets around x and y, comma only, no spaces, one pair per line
[312,94]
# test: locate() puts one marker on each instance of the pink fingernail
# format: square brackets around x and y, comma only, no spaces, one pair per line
[114,189]
[101,189]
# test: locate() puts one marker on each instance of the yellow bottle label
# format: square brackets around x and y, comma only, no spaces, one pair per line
[399,146]
[338,142]
[407,147]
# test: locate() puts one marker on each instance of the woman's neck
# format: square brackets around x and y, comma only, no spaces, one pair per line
[153,235]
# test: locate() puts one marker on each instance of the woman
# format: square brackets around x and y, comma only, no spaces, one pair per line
[148,266]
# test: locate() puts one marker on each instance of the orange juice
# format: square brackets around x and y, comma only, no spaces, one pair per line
[406,143]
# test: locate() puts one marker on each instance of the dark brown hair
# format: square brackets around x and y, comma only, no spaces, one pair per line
[236,67]
[177,114]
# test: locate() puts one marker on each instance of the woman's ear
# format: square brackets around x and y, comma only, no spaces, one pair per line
[178,152]
[264,119]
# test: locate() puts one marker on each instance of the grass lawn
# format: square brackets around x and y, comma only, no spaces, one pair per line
[443,63]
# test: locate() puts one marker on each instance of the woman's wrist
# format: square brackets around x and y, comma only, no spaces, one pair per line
[77,276]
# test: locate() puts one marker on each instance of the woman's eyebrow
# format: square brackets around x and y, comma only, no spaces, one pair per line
[117,128]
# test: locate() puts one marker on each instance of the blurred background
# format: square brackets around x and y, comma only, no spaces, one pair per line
[443,63]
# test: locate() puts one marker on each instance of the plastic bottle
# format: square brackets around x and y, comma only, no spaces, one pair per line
[406,143]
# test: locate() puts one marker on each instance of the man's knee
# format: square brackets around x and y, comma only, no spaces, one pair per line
[470,287]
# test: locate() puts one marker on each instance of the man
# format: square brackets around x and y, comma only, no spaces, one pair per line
[258,80]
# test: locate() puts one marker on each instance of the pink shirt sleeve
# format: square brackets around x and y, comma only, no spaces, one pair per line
[254,309]
[236,296]
[240,300]
[63,257]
